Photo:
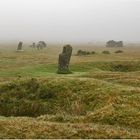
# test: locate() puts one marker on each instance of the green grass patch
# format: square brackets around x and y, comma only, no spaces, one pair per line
[51,69]
[95,100]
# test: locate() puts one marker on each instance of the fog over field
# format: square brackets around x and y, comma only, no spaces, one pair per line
[70,20]
[69,69]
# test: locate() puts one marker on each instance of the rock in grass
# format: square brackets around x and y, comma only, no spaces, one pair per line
[40,45]
[64,60]
[19,48]
[112,43]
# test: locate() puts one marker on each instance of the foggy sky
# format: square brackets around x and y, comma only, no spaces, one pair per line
[70,20]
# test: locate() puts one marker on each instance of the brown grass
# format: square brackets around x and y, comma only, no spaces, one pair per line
[95,101]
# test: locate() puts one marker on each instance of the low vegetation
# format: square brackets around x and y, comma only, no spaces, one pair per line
[81,52]
[99,99]
[105,52]
[81,100]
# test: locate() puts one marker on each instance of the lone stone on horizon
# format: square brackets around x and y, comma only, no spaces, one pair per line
[19,48]
[64,60]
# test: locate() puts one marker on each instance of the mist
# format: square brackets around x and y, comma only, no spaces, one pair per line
[69,20]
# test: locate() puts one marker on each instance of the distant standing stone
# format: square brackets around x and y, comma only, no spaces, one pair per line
[19,48]
[64,60]
[112,43]
[41,45]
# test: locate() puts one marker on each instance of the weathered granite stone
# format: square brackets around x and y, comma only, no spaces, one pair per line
[64,60]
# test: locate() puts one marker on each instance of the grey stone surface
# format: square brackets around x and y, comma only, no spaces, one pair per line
[112,43]
[19,48]
[64,60]
[40,45]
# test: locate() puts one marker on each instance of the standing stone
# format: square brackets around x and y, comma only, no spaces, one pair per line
[19,48]
[64,60]
[113,43]
[41,45]
[119,44]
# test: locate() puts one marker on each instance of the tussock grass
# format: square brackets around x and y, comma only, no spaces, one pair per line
[34,128]
[100,99]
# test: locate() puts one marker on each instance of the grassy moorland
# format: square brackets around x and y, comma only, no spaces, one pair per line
[100,99]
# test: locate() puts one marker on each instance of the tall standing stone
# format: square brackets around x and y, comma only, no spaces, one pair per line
[64,60]
[19,48]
